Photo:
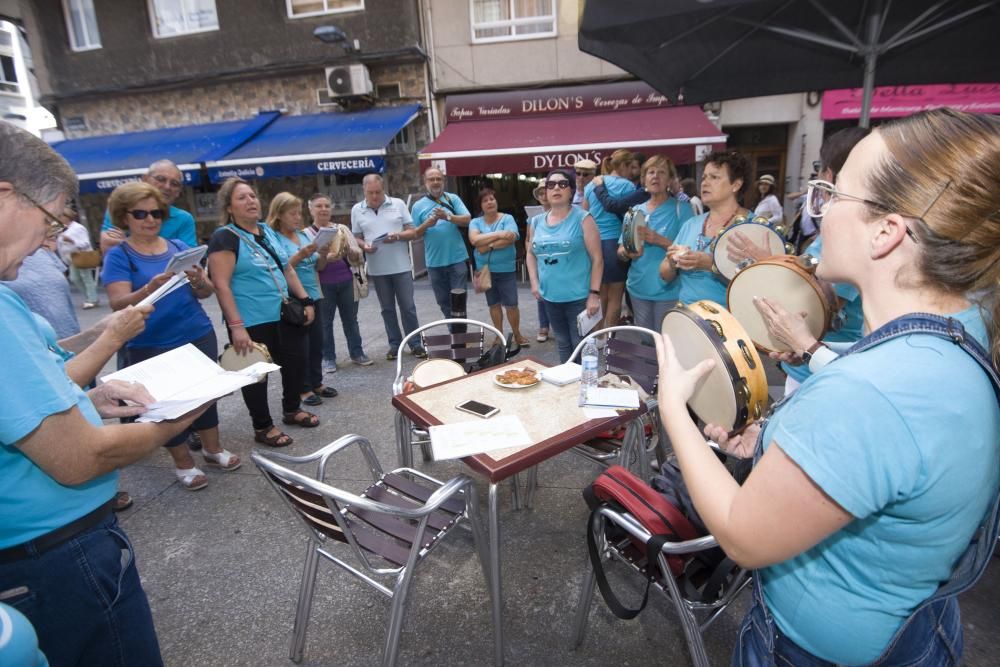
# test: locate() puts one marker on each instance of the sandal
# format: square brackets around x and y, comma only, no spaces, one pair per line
[301,418]
[225,460]
[192,478]
[279,439]
[122,501]
[524,342]
[325,391]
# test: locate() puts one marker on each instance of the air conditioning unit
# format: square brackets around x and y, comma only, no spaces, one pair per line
[348,81]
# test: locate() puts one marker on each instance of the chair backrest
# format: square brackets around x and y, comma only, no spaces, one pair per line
[444,344]
[625,357]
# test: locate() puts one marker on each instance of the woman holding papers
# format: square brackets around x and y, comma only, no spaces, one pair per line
[285,217]
[263,302]
[564,261]
[134,270]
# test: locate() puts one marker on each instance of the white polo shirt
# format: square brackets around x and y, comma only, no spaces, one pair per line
[391,217]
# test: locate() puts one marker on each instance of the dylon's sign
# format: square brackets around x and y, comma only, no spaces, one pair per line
[569,99]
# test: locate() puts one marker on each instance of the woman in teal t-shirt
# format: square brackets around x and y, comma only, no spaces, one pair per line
[285,217]
[877,472]
[564,261]
[651,296]
[494,235]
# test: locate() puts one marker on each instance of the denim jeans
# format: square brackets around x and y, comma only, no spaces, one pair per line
[340,297]
[85,600]
[649,314]
[392,289]
[931,638]
[562,319]
[543,315]
[443,280]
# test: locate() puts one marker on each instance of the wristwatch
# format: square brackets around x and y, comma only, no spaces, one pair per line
[808,354]
[307,301]
[595,292]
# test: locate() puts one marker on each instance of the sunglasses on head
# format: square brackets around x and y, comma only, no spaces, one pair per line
[552,185]
[139,214]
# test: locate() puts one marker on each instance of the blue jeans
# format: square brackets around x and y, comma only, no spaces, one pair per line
[543,315]
[340,297]
[562,319]
[85,600]
[931,638]
[443,280]
[392,289]
[649,314]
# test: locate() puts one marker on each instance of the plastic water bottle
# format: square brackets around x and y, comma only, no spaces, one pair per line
[588,364]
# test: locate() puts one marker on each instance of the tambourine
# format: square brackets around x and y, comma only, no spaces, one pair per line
[632,226]
[734,393]
[758,230]
[231,361]
[788,281]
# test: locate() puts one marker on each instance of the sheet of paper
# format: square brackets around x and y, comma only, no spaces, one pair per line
[598,413]
[585,322]
[186,259]
[325,235]
[452,441]
[612,398]
[176,281]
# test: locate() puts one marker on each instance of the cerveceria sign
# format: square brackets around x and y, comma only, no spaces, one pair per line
[568,99]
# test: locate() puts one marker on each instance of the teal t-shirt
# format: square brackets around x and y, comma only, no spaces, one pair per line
[179,225]
[608,223]
[443,243]
[562,258]
[306,269]
[32,502]
[502,260]
[644,280]
[258,283]
[853,319]
[916,461]
[698,285]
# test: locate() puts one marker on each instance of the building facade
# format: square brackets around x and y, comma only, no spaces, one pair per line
[106,69]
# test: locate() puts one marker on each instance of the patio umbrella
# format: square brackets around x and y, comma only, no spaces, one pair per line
[696,51]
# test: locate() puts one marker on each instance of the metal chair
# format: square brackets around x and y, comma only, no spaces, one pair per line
[695,614]
[467,348]
[638,362]
[379,535]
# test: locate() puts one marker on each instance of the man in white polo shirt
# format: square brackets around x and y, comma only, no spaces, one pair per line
[382,225]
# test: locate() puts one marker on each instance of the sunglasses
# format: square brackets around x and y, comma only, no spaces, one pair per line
[139,214]
[552,185]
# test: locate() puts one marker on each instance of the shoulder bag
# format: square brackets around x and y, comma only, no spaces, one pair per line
[293,311]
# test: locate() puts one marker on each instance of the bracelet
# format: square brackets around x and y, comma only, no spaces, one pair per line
[595,292]
[235,323]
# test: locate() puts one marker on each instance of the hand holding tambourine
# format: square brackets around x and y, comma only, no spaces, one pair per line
[790,329]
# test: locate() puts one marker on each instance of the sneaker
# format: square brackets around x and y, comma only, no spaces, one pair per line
[420,353]
[543,335]
[390,355]
[363,360]
[329,366]
[87,305]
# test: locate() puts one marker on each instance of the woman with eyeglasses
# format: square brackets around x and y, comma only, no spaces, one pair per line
[651,296]
[859,521]
[253,277]
[617,180]
[135,269]
[689,260]
[564,261]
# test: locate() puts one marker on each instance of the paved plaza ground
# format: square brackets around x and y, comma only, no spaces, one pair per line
[221,566]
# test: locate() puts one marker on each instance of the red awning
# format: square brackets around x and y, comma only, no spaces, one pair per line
[519,145]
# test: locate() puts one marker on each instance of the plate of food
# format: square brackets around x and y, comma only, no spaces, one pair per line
[517,378]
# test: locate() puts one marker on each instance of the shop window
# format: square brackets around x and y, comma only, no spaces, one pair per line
[402,142]
[8,75]
[171,18]
[302,8]
[503,20]
[81,21]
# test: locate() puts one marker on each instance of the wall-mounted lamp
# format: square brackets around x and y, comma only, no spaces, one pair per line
[331,34]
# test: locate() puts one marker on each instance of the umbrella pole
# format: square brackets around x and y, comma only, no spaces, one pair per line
[872,30]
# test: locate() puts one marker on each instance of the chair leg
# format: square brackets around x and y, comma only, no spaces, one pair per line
[425,450]
[404,446]
[531,486]
[304,605]
[689,624]
[515,491]
[396,614]
[583,608]
[494,530]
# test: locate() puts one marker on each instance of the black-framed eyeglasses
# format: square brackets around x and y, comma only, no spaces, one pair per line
[552,185]
[820,196]
[140,214]
[173,182]
[55,225]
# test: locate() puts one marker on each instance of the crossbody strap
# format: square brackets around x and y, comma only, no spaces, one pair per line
[277,285]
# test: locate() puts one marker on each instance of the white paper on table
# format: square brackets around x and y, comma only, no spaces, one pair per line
[452,441]
[608,397]
[176,281]
[563,374]
[598,413]
[184,378]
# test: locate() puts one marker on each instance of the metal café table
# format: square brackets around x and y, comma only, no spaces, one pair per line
[551,416]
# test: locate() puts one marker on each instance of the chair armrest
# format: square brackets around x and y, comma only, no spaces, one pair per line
[636,530]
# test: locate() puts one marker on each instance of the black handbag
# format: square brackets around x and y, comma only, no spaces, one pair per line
[293,312]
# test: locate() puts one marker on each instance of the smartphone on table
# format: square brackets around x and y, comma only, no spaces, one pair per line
[478,409]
